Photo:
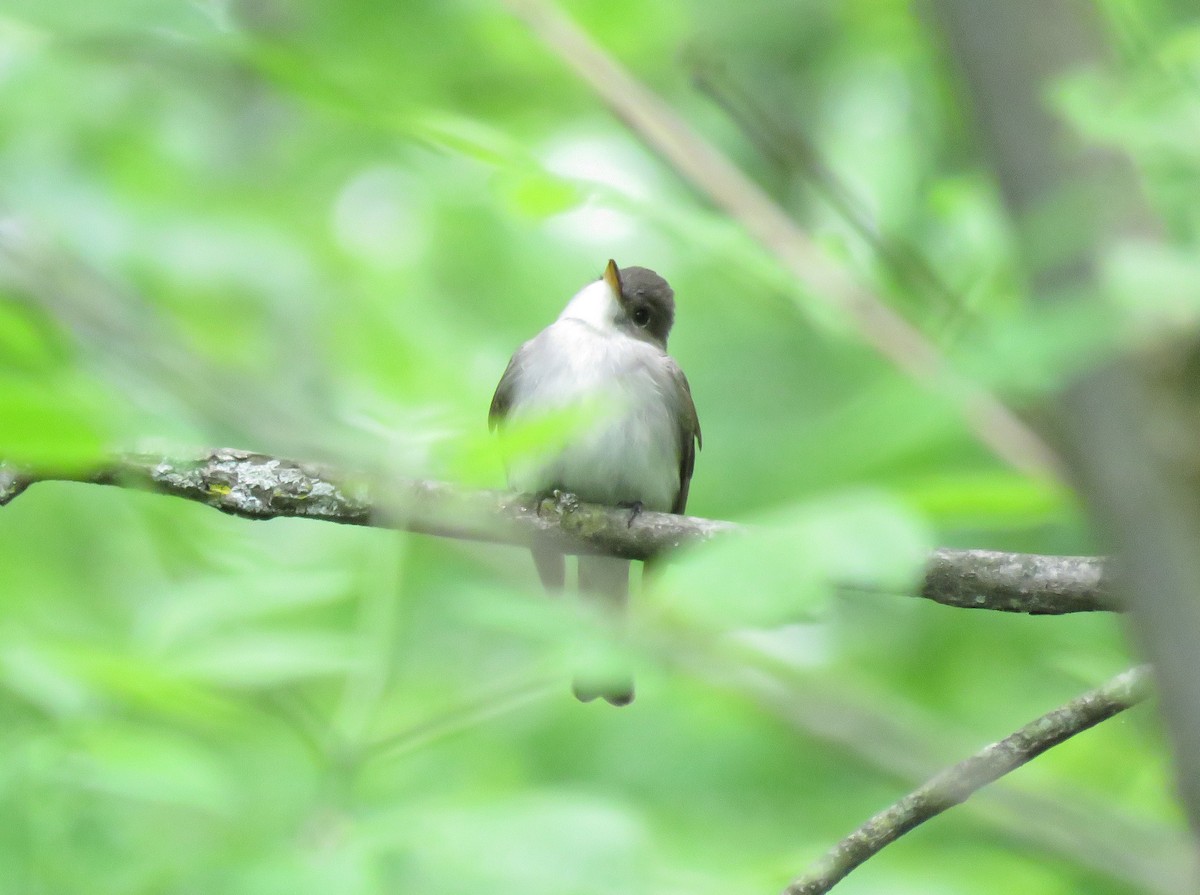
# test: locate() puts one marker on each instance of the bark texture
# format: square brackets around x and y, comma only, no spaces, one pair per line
[256,486]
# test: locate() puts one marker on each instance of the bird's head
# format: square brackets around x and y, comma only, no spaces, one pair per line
[645,302]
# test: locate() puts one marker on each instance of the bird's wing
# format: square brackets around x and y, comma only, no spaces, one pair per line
[502,400]
[689,434]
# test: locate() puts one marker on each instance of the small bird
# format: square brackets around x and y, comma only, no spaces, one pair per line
[606,353]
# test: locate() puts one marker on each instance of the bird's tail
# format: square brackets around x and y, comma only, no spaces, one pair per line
[604,580]
[551,568]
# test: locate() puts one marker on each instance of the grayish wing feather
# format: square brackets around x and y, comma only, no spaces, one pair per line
[689,435]
[689,443]
[503,398]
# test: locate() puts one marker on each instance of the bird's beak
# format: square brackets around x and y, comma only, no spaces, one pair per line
[612,276]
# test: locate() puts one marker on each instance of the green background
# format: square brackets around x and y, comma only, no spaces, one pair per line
[319,230]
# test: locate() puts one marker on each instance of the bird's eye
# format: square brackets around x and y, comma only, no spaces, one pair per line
[641,316]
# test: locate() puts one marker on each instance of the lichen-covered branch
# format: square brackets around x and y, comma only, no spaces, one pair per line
[256,486]
[956,784]
[1017,582]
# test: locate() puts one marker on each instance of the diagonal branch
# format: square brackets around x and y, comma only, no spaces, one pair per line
[726,186]
[956,784]
[785,145]
[256,486]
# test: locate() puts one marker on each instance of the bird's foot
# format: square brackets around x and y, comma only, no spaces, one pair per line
[563,501]
[635,510]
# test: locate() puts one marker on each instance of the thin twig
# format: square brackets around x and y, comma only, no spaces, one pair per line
[709,171]
[257,486]
[904,743]
[955,785]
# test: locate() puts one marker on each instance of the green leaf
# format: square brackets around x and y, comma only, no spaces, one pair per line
[985,497]
[540,195]
[536,844]
[51,424]
[795,559]
[266,658]
[142,763]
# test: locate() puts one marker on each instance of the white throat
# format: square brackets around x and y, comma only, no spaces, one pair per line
[594,305]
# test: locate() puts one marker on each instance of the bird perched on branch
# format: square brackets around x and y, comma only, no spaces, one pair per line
[606,357]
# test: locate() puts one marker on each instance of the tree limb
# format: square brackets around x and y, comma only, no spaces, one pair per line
[1017,582]
[256,486]
[956,784]
[786,146]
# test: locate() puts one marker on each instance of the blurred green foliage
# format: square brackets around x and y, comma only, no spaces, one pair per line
[320,229]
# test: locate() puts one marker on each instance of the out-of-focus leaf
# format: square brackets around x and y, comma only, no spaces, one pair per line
[263,659]
[542,843]
[1157,287]
[36,677]
[197,609]
[147,764]
[797,558]
[1028,353]
[525,440]
[985,498]
[51,425]
[1182,48]
[1152,115]
[144,684]
[469,137]
[26,342]
[539,195]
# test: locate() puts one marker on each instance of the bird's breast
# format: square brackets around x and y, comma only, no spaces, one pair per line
[629,452]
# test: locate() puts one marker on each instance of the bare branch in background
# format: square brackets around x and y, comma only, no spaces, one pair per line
[714,176]
[256,486]
[956,784]
[904,744]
